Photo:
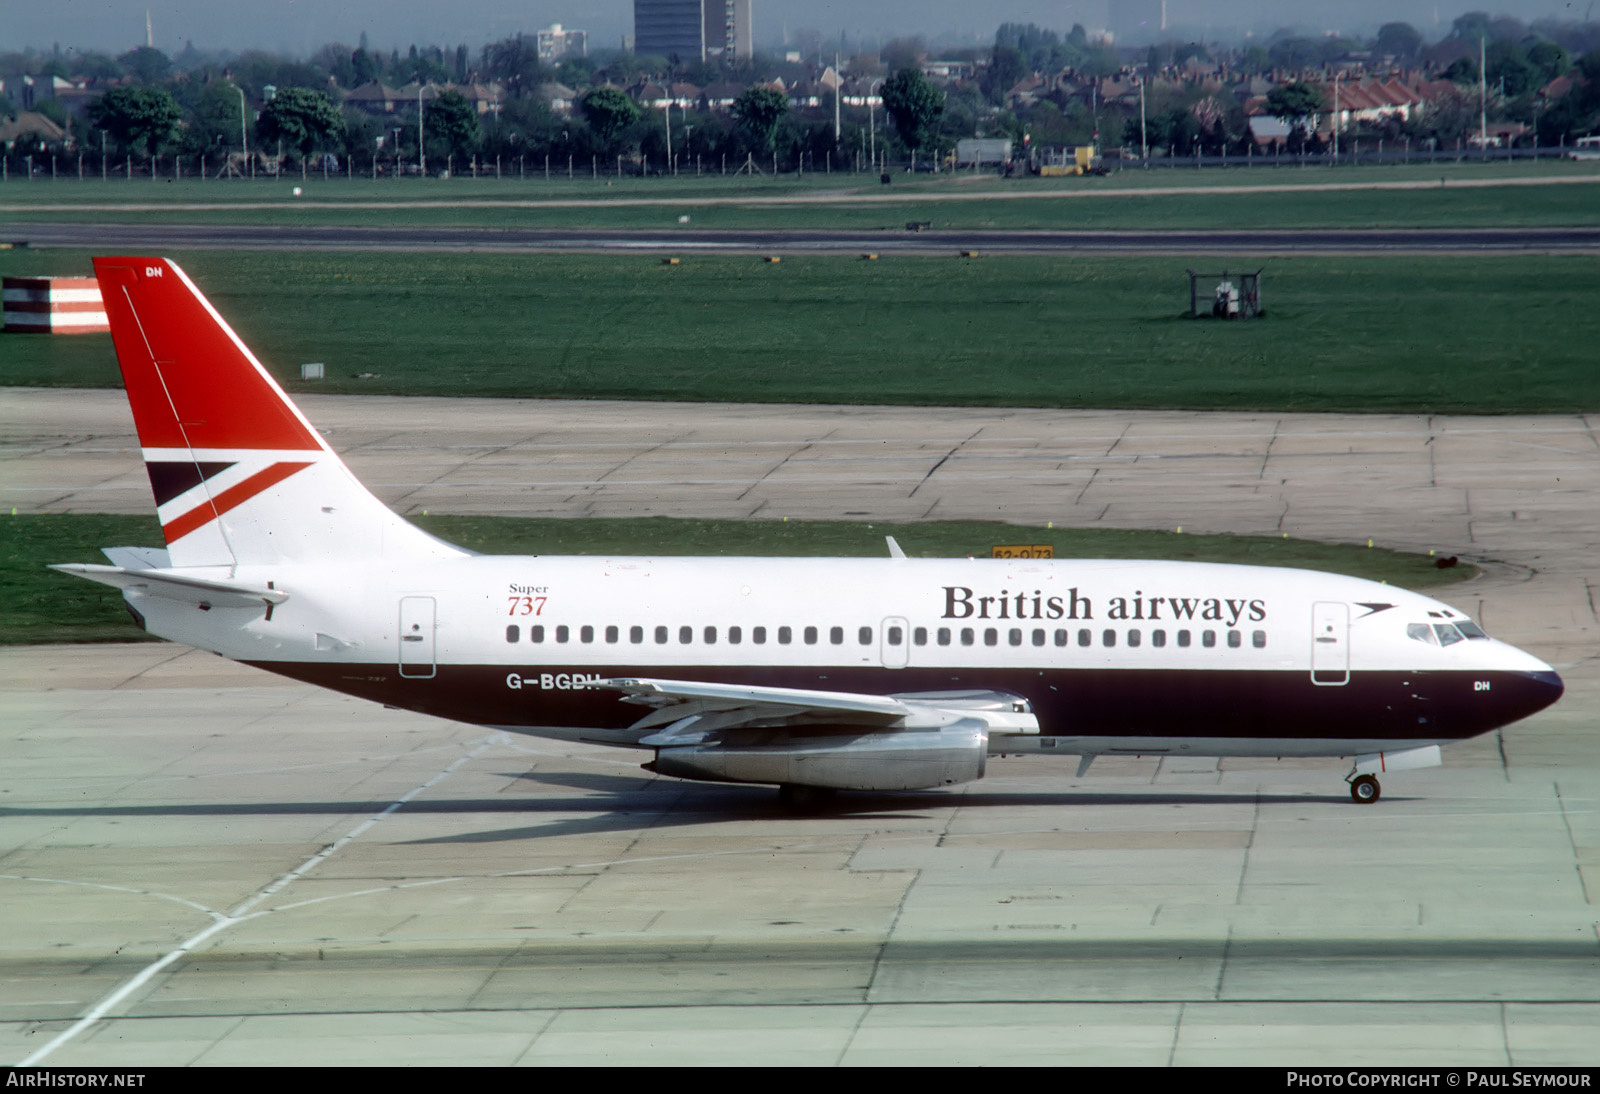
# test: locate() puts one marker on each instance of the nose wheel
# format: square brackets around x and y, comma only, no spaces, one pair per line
[1364,790]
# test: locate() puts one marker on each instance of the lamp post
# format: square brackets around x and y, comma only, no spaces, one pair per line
[1335,119]
[244,144]
[1144,140]
[872,126]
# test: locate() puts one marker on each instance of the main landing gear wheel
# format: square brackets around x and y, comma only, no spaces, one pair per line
[805,799]
[1364,790]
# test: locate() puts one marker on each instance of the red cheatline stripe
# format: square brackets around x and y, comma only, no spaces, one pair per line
[230,498]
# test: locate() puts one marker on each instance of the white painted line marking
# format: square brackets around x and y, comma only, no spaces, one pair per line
[241,913]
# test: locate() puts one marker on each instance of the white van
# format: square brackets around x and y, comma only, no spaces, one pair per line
[1585,148]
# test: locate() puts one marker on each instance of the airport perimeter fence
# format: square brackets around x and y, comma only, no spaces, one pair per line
[92,166]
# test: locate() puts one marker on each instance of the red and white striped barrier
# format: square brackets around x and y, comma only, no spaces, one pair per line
[54,305]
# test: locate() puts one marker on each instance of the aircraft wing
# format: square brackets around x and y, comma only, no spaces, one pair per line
[691,708]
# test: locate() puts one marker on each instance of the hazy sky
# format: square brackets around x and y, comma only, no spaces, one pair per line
[300,26]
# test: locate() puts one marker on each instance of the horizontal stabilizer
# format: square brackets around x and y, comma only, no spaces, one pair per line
[138,558]
[201,591]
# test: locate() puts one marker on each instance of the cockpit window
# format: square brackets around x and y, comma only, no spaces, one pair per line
[1471,630]
[1421,632]
[1448,635]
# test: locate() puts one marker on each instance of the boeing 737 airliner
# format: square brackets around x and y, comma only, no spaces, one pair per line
[811,674]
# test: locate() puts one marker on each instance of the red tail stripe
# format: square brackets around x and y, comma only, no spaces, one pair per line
[230,498]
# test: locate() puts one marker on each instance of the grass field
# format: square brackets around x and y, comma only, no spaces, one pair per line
[1452,195]
[1458,334]
[38,605]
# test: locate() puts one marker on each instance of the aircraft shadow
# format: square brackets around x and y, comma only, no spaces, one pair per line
[622,803]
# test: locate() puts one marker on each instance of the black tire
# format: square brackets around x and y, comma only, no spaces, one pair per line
[1364,790]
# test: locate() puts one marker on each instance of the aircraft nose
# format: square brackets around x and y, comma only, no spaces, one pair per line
[1537,690]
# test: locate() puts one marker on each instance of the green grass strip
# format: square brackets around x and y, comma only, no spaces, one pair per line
[1485,334]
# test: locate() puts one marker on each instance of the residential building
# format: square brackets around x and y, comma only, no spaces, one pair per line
[556,42]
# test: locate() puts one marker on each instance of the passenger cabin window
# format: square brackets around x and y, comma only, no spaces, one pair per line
[685,635]
[562,633]
[1183,640]
[735,636]
[536,633]
[711,636]
[1158,638]
[1208,639]
[1234,640]
[758,635]
[836,635]
[586,634]
[864,636]
[636,635]
[893,635]
[943,636]
[612,634]
[661,636]
[785,636]
[1258,639]
[919,635]
[811,636]
[1133,638]
[513,633]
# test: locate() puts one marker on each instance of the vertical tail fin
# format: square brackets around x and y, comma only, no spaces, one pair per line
[240,477]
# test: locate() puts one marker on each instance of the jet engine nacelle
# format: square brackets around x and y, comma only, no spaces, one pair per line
[840,758]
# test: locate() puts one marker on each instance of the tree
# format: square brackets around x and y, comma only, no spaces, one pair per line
[1462,70]
[213,116]
[301,117]
[1550,59]
[915,106]
[137,114]
[609,113]
[363,69]
[759,110]
[147,66]
[514,62]
[1472,26]
[1398,40]
[1295,104]
[1007,66]
[1506,65]
[452,120]
[904,53]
